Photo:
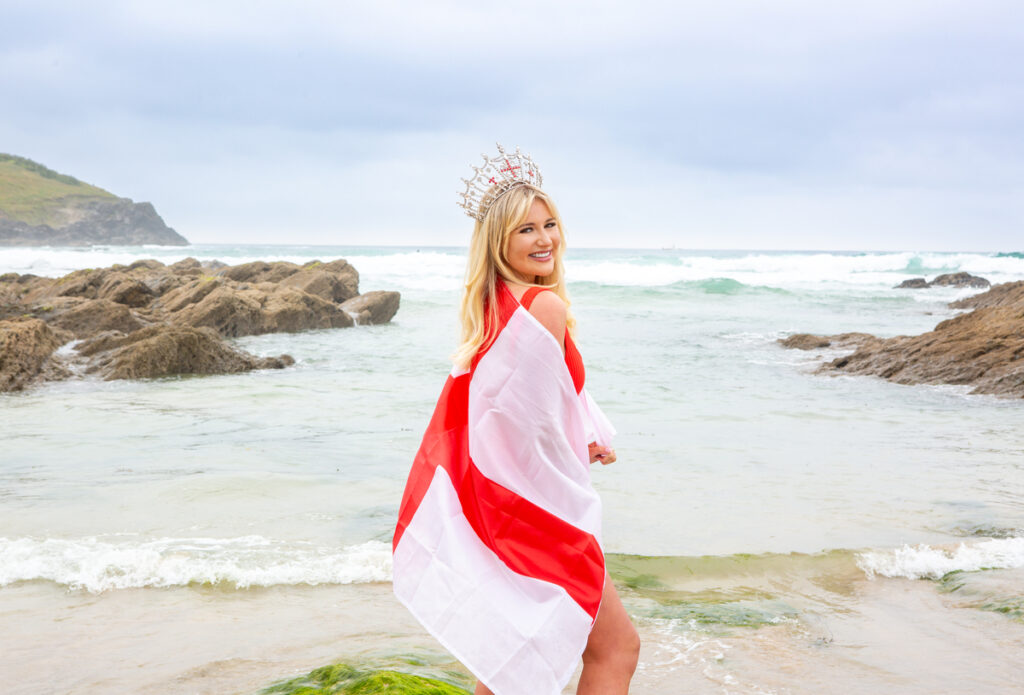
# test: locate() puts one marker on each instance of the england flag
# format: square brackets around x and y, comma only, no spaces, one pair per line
[497,551]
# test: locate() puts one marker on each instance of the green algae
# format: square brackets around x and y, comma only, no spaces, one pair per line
[343,679]
[724,614]
[993,590]
[725,593]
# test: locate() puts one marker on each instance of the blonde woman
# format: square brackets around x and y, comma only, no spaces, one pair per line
[497,548]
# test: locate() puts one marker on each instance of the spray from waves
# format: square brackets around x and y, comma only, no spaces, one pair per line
[96,565]
[927,562]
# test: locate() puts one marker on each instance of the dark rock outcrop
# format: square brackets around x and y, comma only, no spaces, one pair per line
[983,348]
[87,317]
[86,221]
[913,283]
[809,341]
[26,347]
[150,319]
[947,280]
[959,280]
[165,350]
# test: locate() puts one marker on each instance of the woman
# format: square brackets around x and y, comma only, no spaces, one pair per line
[497,549]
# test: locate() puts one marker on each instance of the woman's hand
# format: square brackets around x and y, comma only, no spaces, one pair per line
[600,453]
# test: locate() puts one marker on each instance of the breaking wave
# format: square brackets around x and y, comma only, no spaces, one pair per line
[927,562]
[97,565]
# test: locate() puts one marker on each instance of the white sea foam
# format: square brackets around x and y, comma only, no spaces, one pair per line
[98,565]
[924,561]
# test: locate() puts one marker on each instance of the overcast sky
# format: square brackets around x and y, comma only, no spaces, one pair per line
[802,124]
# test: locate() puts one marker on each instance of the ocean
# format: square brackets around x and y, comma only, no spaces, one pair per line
[771,530]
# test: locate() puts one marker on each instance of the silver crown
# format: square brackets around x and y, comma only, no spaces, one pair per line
[495,178]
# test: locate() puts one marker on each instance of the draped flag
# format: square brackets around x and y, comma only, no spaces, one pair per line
[497,550]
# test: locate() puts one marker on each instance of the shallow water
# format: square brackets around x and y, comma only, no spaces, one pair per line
[218,533]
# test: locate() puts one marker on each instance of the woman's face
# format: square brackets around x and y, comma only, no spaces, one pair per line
[533,244]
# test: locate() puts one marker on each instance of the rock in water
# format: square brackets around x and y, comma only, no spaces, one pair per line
[165,350]
[373,308]
[148,319]
[959,280]
[806,341]
[912,283]
[947,280]
[983,348]
[809,341]
[26,345]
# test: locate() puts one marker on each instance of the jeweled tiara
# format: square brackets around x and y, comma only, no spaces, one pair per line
[495,178]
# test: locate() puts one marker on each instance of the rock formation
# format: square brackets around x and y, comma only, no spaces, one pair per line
[983,348]
[947,280]
[148,319]
[26,345]
[373,307]
[164,350]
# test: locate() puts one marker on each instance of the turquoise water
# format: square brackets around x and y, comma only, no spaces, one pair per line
[728,444]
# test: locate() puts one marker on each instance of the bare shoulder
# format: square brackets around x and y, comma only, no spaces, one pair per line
[551,311]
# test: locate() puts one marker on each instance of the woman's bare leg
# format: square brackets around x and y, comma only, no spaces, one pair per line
[612,650]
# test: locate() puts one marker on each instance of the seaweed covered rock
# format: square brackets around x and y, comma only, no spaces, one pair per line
[26,346]
[165,350]
[124,289]
[342,679]
[88,317]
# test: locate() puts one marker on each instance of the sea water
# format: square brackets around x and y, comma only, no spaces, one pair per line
[770,529]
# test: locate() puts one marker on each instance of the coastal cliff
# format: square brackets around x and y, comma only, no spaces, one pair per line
[40,207]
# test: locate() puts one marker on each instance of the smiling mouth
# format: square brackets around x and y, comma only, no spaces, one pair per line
[541,255]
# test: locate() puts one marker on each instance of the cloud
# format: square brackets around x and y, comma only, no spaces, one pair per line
[789,122]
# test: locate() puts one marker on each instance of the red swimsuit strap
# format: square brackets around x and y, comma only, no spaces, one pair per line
[529,295]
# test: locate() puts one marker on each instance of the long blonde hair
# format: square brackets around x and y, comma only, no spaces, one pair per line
[487,262]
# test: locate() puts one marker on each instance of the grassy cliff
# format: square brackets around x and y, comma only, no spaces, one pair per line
[39,207]
[31,193]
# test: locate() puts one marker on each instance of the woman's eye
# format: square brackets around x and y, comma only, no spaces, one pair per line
[549,225]
[525,230]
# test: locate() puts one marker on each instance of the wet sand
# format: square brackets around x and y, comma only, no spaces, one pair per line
[859,636]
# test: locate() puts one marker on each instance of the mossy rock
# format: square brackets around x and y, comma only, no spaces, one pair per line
[342,679]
